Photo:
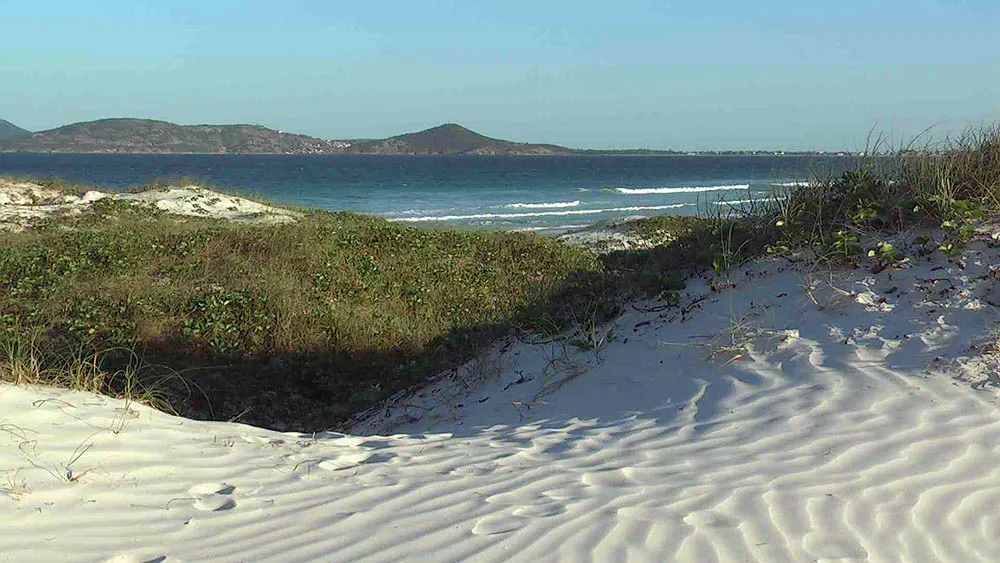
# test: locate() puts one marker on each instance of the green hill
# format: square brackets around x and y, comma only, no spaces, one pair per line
[451,139]
[10,131]
[124,135]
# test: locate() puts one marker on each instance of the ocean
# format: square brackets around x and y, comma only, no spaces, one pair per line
[544,193]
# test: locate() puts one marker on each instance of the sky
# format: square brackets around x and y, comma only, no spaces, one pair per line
[695,75]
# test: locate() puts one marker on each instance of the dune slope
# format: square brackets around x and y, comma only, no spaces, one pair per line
[792,413]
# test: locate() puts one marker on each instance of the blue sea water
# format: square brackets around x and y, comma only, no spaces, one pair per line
[530,192]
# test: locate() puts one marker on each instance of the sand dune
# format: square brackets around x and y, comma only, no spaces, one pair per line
[799,415]
[22,202]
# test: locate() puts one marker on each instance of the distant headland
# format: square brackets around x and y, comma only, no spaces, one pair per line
[10,131]
[147,136]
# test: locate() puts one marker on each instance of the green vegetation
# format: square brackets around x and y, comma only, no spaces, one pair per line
[151,136]
[298,324]
[303,325]
[952,188]
[126,135]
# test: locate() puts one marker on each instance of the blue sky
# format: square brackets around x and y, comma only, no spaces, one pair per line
[633,73]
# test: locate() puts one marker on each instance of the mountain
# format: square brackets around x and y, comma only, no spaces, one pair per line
[10,131]
[451,139]
[124,135]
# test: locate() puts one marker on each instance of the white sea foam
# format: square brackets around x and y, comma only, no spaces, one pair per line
[538,213]
[738,202]
[547,228]
[681,190]
[795,184]
[543,205]
[762,199]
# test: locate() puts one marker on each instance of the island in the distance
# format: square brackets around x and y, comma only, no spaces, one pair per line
[10,131]
[147,136]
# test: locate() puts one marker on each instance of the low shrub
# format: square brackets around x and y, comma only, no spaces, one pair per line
[299,324]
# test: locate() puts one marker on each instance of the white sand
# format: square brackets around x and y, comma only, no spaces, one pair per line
[22,202]
[611,235]
[754,424]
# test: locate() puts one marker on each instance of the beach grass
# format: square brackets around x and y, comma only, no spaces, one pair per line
[951,186]
[291,324]
[304,324]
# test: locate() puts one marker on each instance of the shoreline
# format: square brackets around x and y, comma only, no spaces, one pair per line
[22,201]
[509,194]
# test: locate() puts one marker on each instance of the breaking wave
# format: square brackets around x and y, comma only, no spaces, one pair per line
[543,205]
[547,228]
[762,200]
[538,213]
[681,190]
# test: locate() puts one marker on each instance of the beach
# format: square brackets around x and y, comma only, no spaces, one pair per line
[491,282]
[784,410]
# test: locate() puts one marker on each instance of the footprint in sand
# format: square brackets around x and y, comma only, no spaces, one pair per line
[214,503]
[213,497]
[212,489]
[497,525]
